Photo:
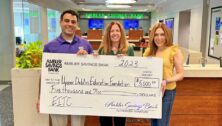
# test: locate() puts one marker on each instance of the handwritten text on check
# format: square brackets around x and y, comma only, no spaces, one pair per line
[101,85]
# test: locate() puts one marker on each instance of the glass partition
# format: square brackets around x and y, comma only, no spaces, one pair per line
[53,24]
[27,21]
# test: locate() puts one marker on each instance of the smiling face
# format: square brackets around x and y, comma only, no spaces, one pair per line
[159,38]
[115,33]
[68,24]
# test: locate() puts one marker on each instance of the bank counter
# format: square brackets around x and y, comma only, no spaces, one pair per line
[198,99]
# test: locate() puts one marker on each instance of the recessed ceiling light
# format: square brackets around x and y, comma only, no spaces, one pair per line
[118,6]
[120,1]
[86,9]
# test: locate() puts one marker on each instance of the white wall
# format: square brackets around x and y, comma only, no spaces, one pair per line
[215,3]
[195,28]
[184,29]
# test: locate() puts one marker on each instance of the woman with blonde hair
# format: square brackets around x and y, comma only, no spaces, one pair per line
[114,43]
[161,45]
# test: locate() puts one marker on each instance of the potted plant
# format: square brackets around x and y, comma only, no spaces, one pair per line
[30,56]
[25,86]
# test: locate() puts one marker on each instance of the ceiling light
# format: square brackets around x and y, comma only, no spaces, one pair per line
[120,1]
[86,9]
[118,6]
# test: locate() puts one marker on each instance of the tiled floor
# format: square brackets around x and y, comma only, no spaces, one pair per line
[2,87]
[6,112]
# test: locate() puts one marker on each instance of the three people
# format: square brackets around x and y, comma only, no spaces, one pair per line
[114,43]
[161,45]
[68,42]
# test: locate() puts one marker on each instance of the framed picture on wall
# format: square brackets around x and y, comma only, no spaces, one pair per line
[215,37]
[169,23]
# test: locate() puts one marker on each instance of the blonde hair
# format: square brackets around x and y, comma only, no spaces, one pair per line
[168,35]
[107,43]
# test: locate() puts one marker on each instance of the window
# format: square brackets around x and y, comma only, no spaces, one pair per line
[53,24]
[27,21]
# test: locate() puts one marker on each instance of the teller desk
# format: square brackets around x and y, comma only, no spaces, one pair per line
[135,34]
[198,100]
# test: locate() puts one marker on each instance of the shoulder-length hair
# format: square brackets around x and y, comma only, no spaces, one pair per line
[107,43]
[168,35]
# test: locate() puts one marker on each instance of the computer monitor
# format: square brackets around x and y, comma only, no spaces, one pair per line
[96,24]
[131,23]
[18,40]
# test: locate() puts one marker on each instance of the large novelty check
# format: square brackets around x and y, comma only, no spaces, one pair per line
[102,85]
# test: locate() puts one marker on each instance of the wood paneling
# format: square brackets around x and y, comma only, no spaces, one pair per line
[137,122]
[196,120]
[200,87]
[135,34]
[94,34]
[197,105]
[94,121]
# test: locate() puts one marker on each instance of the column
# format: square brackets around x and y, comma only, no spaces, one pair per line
[7,40]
